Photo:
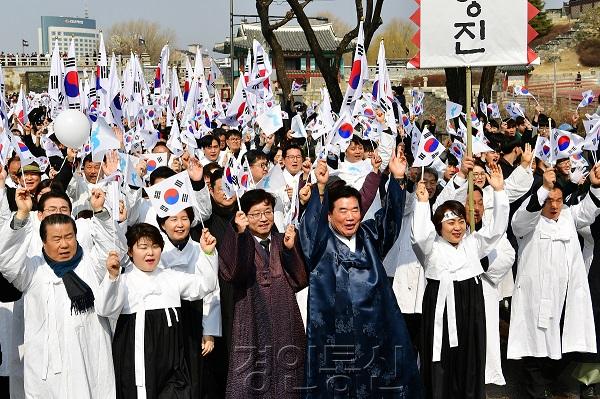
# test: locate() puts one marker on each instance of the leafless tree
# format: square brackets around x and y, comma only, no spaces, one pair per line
[124,37]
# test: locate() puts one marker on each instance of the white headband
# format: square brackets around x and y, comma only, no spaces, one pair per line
[449,215]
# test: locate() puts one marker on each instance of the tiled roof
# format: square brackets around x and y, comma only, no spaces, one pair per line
[291,38]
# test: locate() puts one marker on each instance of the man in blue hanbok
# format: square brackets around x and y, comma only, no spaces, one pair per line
[358,345]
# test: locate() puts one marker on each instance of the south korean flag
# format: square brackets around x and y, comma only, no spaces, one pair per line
[172,195]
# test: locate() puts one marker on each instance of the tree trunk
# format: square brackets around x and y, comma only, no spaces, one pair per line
[276,51]
[485,85]
[456,86]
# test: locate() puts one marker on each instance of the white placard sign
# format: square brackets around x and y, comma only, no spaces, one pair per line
[456,33]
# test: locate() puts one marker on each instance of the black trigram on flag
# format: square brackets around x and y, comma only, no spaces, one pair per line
[178,183]
[70,63]
[427,135]
[422,156]
[159,160]
[92,93]
[157,195]
[234,181]
[137,87]
[184,197]
[54,82]
[75,106]
[383,105]
[103,72]
[164,208]
[61,97]
[260,59]
[360,50]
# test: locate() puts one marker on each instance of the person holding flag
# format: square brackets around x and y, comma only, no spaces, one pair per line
[266,269]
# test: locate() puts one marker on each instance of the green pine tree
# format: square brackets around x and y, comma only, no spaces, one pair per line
[541,23]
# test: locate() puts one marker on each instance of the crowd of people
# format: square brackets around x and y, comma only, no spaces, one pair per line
[356,276]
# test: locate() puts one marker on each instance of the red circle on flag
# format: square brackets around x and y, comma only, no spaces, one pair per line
[431,145]
[72,84]
[171,196]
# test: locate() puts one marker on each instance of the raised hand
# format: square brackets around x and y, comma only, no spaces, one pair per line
[290,237]
[24,203]
[195,169]
[122,211]
[111,163]
[322,172]
[113,265]
[207,241]
[421,192]
[97,199]
[141,168]
[495,178]
[3,176]
[71,154]
[304,193]
[550,178]
[241,221]
[595,175]
[306,167]
[526,156]
[466,165]
[398,164]
[376,162]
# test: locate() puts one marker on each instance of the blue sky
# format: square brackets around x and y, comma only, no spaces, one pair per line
[194,21]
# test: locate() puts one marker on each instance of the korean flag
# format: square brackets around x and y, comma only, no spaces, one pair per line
[172,195]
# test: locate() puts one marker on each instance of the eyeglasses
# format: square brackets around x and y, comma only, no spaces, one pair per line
[62,209]
[479,174]
[294,157]
[259,215]
[262,165]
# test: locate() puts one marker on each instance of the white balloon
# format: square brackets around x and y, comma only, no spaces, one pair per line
[72,128]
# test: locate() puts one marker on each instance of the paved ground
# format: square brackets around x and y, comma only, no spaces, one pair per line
[565,387]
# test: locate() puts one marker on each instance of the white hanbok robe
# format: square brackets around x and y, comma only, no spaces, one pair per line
[551,275]
[66,356]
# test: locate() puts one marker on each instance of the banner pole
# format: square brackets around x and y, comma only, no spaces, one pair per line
[469,147]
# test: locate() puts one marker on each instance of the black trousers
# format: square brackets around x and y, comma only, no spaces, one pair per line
[4,387]
[539,373]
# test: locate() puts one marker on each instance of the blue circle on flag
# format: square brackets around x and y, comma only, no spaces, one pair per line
[171,196]
[72,84]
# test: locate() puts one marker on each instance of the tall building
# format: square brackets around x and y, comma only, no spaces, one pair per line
[83,30]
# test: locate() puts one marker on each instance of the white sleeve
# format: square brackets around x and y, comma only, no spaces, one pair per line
[110,297]
[202,205]
[518,183]
[196,286]
[105,238]
[501,260]
[387,144]
[456,189]
[524,221]
[423,232]
[5,213]
[586,211]
[14,264]
[490,234]
[211,313]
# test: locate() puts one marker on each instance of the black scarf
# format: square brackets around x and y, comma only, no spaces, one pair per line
[80,294]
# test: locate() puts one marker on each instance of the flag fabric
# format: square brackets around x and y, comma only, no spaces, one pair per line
[342,132]
[298,127]
[382,90]
[273,181]
[237,106]
[174,143]
[260,79]
[114,95]
[22,107]
[102,139]
[231,178]
[71,79]
[514,110]
[564,144]
[245,177]
[5,148]
[172,195]
[358,74]
[102,80]
[483,107]
[154,161]
[162,71]
[458,149]
[453,110]
[542,149]
[494,110]
[479,146]
[588,98]
[21,149]
[56,85]
[296,86]
[592,137]
[429,149]
[214,74]
[521,91]
[270,120]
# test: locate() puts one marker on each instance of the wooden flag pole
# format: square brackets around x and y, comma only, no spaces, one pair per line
[469,148]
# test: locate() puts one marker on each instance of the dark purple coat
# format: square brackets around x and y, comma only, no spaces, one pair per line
[269,340]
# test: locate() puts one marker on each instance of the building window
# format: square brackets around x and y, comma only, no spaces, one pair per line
[303,64]
[313,64]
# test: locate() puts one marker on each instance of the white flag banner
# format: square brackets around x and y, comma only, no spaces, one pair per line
[102,139]
[273,181]
[453,110]
[298,127]
[172,195]
[270,120]
[473,33]
[429,149]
